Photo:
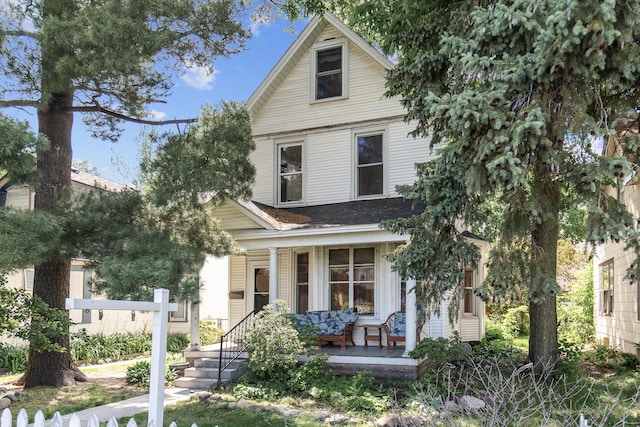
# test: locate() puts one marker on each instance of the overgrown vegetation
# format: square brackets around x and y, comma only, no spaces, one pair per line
[139,374]
[97,348]
[210,333]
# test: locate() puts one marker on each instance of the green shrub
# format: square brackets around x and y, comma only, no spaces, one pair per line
[139,374]
[210,333]
[273,343]
[13,360]
[516,322]
[313,373]
[176,342]
[439,351]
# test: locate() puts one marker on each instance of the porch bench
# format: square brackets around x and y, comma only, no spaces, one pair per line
[331,326]
[395,328]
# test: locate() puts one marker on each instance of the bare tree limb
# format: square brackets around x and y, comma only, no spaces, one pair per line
[99,109]
[19,103]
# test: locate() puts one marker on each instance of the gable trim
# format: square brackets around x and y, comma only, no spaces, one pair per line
[304,41]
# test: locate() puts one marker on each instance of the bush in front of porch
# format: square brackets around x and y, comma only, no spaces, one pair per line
[274,372]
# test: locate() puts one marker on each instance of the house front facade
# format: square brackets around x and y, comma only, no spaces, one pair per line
[330,151]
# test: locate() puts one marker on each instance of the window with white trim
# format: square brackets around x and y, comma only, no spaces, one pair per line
[291,175]
[369,164]
[329,70]
[352,273]
[302,282]
[606,288]
[469,299]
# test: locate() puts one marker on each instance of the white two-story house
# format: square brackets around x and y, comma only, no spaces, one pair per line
[330,151]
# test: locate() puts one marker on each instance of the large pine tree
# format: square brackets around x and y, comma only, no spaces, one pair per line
[106,59]
[517,96]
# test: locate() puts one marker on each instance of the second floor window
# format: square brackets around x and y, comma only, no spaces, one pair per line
[370,170]
[606,288]
[329,73]
[290,179]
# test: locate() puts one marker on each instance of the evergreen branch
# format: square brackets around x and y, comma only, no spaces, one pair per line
[21,33]
[120,116]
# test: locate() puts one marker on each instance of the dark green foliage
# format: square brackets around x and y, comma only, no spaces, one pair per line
[100,348]
[513,101]
[439,351]
[13,360]
[176,342]
[19,147]
[604,358]
[139,374]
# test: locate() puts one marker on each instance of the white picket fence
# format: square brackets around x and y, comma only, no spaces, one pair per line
[22,420]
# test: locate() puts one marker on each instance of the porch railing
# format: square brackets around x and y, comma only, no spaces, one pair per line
[233,344]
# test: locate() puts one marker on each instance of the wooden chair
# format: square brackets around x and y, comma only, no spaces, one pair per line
[395,328]
[347,334]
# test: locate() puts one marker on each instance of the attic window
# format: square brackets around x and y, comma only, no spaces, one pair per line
[329,73]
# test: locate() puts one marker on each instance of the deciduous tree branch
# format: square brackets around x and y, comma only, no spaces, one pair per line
[6,103]
[99,109]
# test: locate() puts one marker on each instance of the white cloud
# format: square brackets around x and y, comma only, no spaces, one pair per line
[199,77]
[256,23]
[158,115]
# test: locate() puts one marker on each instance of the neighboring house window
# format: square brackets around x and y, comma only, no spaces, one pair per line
[181,314]
[352,275]
[28,278]
[606,286]
[302,282]
[369,166]
[468,291]
[290,179]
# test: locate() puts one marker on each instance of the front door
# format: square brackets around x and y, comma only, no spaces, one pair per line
[260,276]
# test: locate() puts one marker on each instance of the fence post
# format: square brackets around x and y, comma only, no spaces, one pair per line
[158,358]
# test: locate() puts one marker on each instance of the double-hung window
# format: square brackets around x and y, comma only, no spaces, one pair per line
[302,282]
[468,303]
[606,288]
[290,175]
[329,71]
[352,273]
[370,164]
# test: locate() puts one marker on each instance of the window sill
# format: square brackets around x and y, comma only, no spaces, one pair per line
[324,100]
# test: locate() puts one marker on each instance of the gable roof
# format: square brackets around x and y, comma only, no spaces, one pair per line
[300,47]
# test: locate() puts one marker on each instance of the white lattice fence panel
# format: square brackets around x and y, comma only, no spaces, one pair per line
[22,420]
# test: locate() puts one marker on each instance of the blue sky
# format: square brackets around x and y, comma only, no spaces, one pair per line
[235,79]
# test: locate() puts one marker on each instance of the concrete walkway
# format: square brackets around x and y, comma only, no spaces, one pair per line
[125,409]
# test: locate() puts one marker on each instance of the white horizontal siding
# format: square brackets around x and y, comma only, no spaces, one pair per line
[20,197]
[403,153]
[232,219]
[237,282]
[289,108]
[265,166]
[622,329]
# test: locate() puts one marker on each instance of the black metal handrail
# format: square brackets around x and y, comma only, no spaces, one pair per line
[236,344]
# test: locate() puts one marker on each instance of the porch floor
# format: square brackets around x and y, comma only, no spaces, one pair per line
[362,351]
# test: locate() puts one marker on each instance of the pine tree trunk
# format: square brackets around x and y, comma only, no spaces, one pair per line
[543,338]
[51,280]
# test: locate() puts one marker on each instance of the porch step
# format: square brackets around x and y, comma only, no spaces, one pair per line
[204,373]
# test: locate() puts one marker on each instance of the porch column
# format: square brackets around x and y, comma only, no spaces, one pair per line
[273,275]
[412,318]
[195,327]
